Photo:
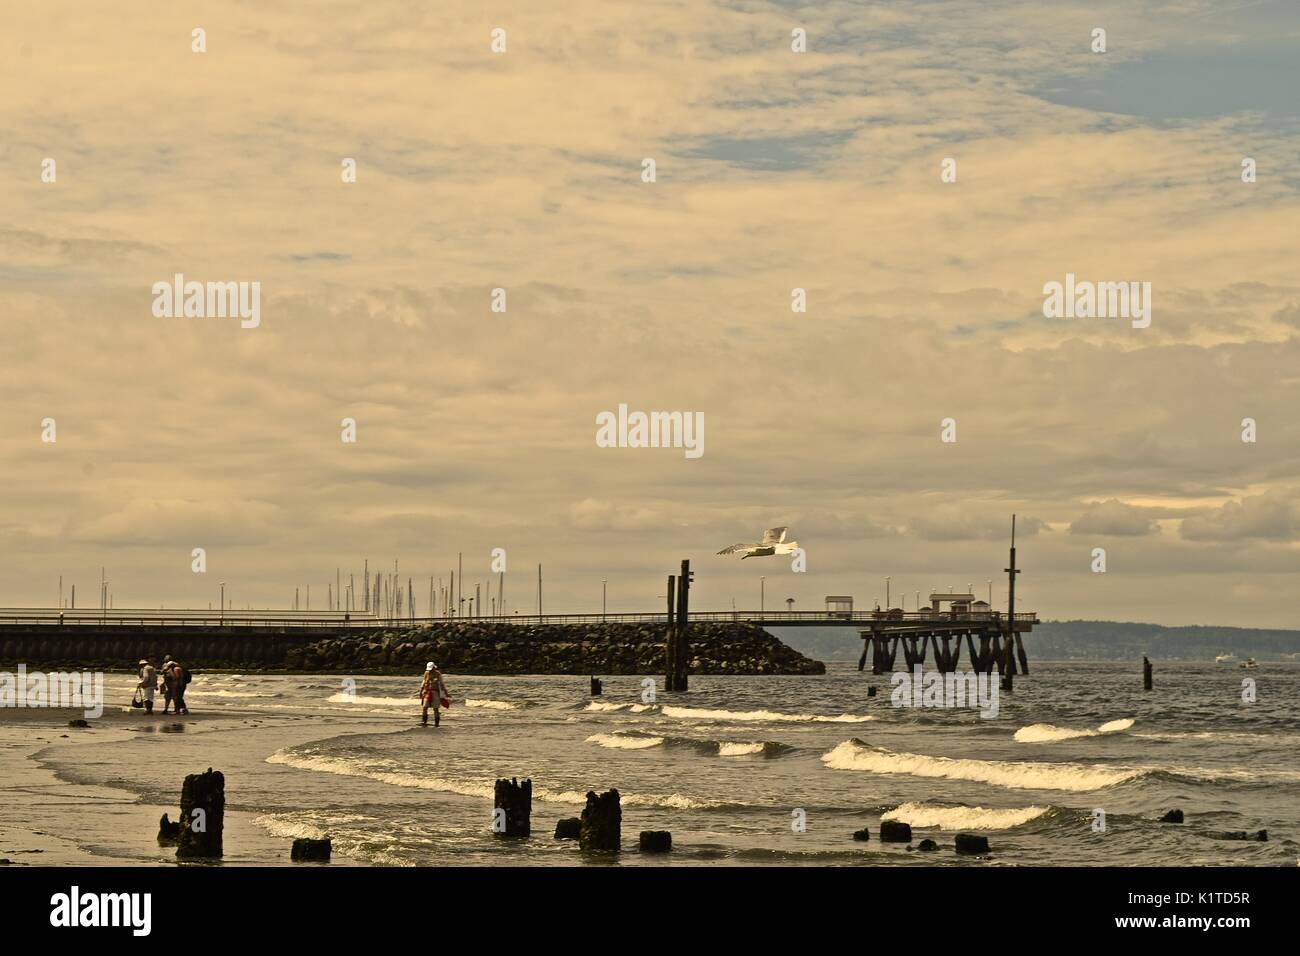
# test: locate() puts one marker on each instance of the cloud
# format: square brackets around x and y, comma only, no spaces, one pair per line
[956,523]
[1267,517]
[1115,517]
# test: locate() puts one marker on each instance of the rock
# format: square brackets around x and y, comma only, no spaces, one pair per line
[862,835]
[656,841]
[927,846]
[203,809]
[305,848]
[168,833]
[512,808]
[602,821]
[895,831]
[1173,816]
[972,844]
[569,828]
[871,690]
[78,723]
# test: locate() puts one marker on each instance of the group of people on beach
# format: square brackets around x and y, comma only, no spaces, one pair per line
[173,678]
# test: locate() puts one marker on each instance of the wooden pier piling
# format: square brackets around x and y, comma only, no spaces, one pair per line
[512,808]
[203,810]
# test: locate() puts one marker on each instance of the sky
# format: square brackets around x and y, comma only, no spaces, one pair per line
[774,170]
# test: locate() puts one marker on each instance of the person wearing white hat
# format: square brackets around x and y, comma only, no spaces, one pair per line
[433,693]
[148,683]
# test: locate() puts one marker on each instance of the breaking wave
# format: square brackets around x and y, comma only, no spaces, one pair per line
[1017,775]
[922,815]
[762,716]
[1047,733]
[351,767]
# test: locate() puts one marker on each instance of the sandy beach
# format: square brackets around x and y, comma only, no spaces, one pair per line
[49,820]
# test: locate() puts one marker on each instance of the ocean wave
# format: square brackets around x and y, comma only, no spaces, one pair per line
[284,826]
[855,755]
[622,742]
[352,767]
[736,749]
[200,692]
[486,704]
[343,697]
[709,748]
[607,707]
[923,815]
[1048,733]
[763,716]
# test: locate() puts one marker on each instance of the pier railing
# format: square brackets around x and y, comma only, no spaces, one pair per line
[333,619]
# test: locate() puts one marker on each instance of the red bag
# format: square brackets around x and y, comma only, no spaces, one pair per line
[446,703]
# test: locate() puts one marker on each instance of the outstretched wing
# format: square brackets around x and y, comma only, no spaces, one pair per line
[774,535]
[733,549]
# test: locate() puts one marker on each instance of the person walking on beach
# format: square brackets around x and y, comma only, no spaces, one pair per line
[180,677]
[148,684]
[433,691]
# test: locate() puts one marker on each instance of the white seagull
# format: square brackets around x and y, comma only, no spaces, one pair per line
[773,543]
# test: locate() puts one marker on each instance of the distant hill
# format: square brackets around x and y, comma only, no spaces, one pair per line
[1087,641]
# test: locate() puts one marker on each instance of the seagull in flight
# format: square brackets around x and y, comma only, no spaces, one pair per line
[773,543]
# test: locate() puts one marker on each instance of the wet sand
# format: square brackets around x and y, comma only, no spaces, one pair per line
[49,821]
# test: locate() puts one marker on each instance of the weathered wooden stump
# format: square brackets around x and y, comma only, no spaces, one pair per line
[168,833]
[927,846]
[1146,674]
[78,722]
[1173,816]
[895,831]
[305,848]
[203,810]
[602,822]
[570,828]
[871,691]
[862,835]
[512,811]
[656,841]
[972,843]
[596,687]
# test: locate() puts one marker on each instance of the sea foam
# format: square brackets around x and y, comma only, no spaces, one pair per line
[854,755]
[760,716]
[922,815]
[1047,733]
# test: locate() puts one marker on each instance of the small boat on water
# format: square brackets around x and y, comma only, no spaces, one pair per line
[1228,658]
[1248,664]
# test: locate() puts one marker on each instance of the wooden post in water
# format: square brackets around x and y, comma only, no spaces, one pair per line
[682,654]
[1009,668]
[670,637]
[512,808]
[1146,673]
[203,811]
